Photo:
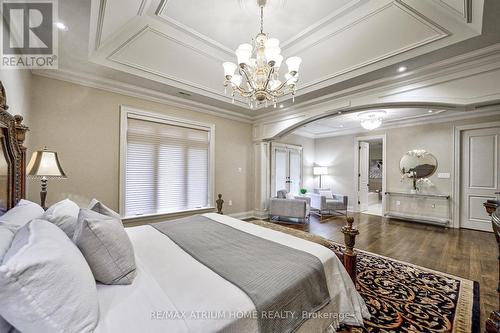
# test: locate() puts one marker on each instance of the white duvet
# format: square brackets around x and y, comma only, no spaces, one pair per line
[174,293]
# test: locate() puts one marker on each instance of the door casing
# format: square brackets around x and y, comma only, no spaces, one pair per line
[357,140]
[457,172]
[287,147]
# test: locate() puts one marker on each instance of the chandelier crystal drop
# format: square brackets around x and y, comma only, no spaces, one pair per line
[256,76]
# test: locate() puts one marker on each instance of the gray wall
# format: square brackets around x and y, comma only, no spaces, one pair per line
[82,124]
[338,154]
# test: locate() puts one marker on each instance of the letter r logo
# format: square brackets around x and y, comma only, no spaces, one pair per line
[27,27]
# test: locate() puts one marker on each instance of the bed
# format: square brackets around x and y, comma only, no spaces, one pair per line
[175,290]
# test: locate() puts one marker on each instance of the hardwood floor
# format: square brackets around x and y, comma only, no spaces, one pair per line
[465,253]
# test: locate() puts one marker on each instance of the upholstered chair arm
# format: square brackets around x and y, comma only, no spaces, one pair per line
[288,207]
[306,199]
[343,198]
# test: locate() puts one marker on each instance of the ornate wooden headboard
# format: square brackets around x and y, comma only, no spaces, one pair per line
[12,155]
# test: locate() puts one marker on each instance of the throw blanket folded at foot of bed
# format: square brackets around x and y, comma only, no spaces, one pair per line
[284,283]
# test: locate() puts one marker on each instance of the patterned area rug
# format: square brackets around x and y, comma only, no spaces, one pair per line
[406,298]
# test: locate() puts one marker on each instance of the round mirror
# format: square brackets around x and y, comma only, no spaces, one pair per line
[424,164]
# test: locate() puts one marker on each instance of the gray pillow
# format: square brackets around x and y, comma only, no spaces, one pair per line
[45,283]
[105,244]
[64,214]
[100,208]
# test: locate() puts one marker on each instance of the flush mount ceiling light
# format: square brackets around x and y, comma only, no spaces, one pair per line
[257,78]
[61,26]
[372,119]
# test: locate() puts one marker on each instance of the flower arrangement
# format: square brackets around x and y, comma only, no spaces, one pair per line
[303,190]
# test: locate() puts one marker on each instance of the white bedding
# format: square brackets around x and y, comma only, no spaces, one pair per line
[173,292]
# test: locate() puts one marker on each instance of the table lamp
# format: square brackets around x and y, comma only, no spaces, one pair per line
[44,164]
[320,171]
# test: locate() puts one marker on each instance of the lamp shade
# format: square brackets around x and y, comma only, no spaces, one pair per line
[229,68]
[319,171]
[45,163]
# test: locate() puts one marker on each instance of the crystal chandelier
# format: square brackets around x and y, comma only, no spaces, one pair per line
[371,120]
[257,78]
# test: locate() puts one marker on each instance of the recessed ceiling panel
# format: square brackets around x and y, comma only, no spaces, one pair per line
[233,22]
[116,14]
[379,35]
[172,59]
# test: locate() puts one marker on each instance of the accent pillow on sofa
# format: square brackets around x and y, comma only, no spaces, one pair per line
[64,214]
[45,283]
[106,246]
[22,213]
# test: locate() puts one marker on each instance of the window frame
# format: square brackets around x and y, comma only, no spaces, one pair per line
[127,112]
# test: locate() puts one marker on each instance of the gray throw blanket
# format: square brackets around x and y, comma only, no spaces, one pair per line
[283,283]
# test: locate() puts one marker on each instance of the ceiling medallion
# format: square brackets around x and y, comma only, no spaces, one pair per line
[257,78]
[372,119]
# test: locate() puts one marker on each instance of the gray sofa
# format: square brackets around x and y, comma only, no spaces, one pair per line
[324,203]
[289,209]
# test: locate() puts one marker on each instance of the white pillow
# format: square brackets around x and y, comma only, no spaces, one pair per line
[22,213]
[64,214]
[327,194]
[290,196]
[46,284]
[7,232]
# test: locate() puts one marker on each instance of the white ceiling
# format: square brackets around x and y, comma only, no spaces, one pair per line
[231,23]
[183,43]
[168,46]
[350,123]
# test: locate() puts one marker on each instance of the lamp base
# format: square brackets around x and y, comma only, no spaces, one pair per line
[43,193]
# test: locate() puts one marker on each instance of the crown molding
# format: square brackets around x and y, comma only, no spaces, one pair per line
[114,86]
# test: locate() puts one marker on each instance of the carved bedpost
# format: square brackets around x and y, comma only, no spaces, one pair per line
[493,322]
[350,256]
[21,130]
[13,137]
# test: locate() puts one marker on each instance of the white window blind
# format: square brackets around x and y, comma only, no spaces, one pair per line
[167,167]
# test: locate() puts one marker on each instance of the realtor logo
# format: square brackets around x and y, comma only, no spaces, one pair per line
[29,38]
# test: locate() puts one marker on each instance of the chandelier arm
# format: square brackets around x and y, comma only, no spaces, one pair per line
[243,92]
[283,85]
[250,83]
[271,71]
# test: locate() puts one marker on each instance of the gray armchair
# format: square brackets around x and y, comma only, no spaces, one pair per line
[322,203]
[297,208]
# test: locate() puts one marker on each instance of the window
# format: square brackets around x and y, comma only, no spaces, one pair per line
[166,164]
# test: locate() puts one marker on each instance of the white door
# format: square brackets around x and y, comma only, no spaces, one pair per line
[295,173]
[363,180]
[286,168]
[480,163]
[280,169]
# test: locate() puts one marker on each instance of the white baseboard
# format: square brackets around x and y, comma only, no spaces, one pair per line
[243,215]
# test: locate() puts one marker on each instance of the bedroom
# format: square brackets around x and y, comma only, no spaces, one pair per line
[132,74]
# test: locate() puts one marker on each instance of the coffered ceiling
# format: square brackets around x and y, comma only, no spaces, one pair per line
[182,43]
[172,46]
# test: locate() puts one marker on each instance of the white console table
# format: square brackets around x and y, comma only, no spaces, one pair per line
[418,207]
